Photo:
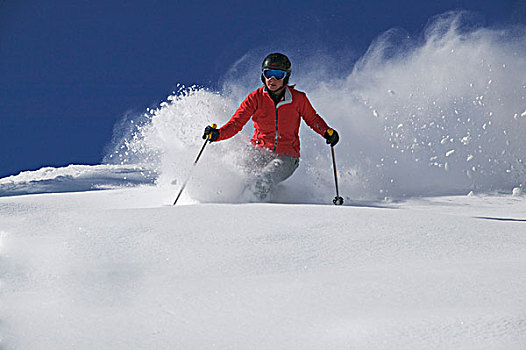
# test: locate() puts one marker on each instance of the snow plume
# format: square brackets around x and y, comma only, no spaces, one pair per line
[168,139]
[441,114]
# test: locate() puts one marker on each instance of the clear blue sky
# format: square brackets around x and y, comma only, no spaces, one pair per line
[69,70]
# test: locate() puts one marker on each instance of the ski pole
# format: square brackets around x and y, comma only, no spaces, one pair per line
[337,200]
[193,165]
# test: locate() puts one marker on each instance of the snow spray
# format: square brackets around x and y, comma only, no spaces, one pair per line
[444,113]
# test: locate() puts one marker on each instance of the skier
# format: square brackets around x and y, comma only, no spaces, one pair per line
[276,110]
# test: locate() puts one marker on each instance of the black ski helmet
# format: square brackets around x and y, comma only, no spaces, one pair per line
[277,61]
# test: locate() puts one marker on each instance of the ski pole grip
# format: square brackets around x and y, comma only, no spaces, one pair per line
[213,126]
[330,131]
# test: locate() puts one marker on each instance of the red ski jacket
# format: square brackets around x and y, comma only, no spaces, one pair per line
[276,126]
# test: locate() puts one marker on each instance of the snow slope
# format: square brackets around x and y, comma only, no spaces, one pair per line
[123,269]
[75,178]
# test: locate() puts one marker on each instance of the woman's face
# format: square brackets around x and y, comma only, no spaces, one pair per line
[273,84]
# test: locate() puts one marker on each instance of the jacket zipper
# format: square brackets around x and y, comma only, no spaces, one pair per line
[277,133]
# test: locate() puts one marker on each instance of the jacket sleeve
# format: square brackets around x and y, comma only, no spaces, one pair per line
[239,119]
[313,120]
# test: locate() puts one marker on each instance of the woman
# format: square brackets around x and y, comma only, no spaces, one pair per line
[276,110]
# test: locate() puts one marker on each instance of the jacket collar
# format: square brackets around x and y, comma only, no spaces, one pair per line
[287,96]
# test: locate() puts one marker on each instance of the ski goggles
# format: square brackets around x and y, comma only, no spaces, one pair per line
[277,74]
